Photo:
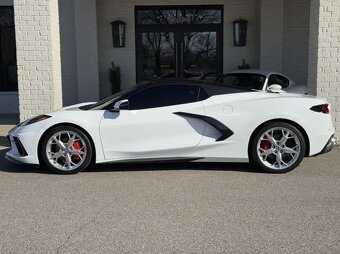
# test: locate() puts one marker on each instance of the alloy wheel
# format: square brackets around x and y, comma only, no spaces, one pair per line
[278,148]
[66,150]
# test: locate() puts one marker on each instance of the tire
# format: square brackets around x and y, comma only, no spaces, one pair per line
[277,147]
[66,150]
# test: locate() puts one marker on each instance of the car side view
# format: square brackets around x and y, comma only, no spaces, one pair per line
[171,120]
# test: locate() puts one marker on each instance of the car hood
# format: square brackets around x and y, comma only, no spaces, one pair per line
[76,107]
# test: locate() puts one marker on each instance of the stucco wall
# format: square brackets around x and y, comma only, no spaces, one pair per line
[68,52]
[295,40]
[86,51]
[110,10]
[271,35]
[79,59]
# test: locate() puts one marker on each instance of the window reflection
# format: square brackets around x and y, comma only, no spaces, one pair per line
[8,63]
[179,16]
[200,55]
[158,54]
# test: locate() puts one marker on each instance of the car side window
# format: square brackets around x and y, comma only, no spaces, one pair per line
[279,80]
[230,80]
[244,80]
[162,96]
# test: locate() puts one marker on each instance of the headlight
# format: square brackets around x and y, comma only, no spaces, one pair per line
[35,120]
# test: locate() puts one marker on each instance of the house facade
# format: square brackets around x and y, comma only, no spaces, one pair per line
[55,53]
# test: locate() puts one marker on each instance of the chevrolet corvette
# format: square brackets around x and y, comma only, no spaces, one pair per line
[179,120]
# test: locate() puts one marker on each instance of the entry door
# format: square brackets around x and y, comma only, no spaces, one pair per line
[179,42]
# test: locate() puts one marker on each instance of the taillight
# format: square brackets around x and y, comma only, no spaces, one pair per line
[323,108]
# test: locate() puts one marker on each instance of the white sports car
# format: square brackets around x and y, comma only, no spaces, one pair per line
[168,120]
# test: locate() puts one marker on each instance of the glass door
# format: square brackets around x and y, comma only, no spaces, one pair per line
[179,42]
[199,55]
[158,55]
[8,62]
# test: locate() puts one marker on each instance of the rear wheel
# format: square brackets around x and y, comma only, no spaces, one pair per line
[66,150]
[277,147]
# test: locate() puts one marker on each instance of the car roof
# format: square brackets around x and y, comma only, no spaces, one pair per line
[173,81]
[255,71]
[208,85]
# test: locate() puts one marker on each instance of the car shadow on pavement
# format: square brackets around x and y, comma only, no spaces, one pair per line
[238,167]
[4,141]
[9,167]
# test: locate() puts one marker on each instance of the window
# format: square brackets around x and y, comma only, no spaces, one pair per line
[151,15]
[278,80]
[244,80]
[163,95]
[8,63]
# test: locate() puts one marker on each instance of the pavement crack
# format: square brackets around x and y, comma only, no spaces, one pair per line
[78,230]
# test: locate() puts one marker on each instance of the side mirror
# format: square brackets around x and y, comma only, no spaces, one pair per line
[122,104]
[275,88]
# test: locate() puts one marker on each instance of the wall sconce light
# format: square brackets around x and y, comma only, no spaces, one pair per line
[118,33]
[240,32]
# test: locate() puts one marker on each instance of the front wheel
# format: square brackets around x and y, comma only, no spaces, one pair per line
[277,148]
[66,150]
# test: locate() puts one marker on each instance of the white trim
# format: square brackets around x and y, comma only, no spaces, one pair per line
[6,2]
[9,93]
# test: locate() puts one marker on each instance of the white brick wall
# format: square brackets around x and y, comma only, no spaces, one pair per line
[324,69]
[38,56]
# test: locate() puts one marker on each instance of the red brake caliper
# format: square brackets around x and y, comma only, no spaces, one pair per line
[265,145]
[77,146]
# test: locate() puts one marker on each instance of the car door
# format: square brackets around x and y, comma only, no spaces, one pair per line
[150,127]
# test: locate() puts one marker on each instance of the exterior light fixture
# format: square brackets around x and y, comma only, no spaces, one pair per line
[240,32]
[118,33]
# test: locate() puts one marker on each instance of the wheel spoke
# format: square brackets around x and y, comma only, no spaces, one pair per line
[290,151]
[68,161]
[279,160]
[265,153]
[270,138]
[58,142]
[285,137]
[77,152]
[71,140]
[57,155]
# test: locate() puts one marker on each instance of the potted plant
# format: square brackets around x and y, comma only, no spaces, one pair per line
[244,65]
[115,78]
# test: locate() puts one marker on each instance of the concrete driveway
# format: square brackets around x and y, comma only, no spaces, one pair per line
[181,208]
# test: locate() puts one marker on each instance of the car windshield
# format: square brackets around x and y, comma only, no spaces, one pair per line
[248,81]
[112,99]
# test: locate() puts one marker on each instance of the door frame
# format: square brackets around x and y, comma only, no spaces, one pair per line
[178,30]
